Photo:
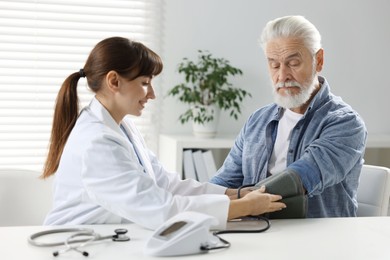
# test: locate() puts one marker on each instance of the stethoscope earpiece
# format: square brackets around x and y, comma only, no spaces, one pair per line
[57,253]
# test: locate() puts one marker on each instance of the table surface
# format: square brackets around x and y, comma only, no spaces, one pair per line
[326,238]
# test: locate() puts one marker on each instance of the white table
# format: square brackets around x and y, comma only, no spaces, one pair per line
[332,238]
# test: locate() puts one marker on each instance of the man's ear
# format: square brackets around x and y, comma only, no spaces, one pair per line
[112,80]
[319,59]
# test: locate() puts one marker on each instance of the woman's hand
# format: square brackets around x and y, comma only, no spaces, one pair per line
[262,202]
[233,193]
[254,203]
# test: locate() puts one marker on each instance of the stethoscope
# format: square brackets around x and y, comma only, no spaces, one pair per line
[74,242]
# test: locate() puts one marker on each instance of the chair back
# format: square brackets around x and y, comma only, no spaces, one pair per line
[25,199]
[374,191]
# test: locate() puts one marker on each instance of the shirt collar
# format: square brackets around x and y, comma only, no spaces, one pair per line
[320,96]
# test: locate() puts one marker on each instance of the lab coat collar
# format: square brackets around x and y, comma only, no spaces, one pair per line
[103,115]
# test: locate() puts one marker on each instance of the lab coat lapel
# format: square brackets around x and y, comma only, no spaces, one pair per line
[135,137]
[139,145]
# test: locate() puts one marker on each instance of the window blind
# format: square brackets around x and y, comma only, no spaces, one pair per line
[44,41]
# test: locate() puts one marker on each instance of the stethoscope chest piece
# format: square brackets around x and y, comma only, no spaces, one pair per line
[120,235]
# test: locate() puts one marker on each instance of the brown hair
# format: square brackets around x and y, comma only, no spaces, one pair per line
[128,58]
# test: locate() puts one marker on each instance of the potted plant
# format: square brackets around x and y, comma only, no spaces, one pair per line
[207,90]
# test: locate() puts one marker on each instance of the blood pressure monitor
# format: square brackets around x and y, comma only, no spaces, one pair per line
[186,233]
[172,229]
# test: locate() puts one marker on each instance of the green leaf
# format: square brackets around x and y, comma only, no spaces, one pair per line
[206,81]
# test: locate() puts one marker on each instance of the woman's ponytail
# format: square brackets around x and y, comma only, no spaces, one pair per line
[65,115]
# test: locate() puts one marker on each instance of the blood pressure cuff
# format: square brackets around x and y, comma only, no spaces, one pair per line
[288,184]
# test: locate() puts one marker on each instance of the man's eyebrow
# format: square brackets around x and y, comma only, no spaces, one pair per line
[289,57]
[294,55]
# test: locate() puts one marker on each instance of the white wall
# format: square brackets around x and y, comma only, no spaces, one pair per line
[355,34]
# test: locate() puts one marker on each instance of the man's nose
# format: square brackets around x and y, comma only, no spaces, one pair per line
[284,74]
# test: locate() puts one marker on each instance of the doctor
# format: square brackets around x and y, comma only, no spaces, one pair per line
[104,171]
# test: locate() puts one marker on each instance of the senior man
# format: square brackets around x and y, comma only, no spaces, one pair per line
[307,131]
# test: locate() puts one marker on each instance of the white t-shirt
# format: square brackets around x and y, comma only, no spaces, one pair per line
[279,154]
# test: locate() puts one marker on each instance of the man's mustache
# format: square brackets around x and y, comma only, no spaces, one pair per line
[287,84]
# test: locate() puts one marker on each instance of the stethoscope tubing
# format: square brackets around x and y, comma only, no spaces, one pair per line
[90,232]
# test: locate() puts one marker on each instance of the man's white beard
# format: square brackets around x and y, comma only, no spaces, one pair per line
[291,100]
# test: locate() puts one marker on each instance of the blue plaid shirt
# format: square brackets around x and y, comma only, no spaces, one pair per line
[326,149]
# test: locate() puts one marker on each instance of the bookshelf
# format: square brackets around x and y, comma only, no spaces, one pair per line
[171,148]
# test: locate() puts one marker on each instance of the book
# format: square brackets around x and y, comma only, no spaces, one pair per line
[200,167]
[188,165]
[209,162]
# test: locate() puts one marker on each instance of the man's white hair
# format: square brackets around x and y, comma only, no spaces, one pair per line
[292,27]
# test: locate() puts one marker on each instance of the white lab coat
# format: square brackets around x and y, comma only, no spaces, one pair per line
[100,179]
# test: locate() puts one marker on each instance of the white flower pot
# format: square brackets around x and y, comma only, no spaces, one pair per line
[207,129]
